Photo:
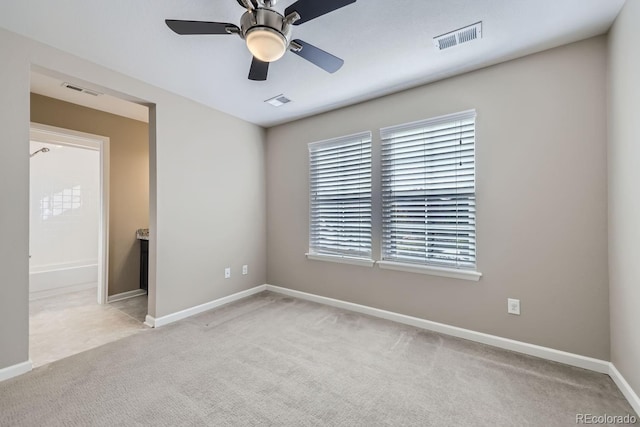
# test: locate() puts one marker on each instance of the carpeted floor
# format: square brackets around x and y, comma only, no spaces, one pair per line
[275,360]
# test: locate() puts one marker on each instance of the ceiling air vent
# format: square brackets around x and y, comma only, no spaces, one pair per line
[81,89]
[462,35]
[91,92]
[278,101]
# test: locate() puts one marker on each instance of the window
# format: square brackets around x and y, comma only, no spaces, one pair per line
[340,199]
[428,193]
[67,201]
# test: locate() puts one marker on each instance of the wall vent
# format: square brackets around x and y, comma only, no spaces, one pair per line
[77,88]
[462,35]
[278,101]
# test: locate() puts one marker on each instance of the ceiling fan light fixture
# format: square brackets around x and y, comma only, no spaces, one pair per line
[268,33]
[266,44]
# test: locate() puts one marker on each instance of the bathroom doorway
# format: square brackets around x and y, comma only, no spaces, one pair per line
[69,246]
[69,212]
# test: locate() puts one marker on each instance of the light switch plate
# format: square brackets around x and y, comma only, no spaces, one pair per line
[245,269]
[227,272]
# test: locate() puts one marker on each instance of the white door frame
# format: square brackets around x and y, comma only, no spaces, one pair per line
[56,135]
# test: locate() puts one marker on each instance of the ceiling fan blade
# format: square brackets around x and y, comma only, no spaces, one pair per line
[201,27]
[319,57]
[311,9]
[258,70]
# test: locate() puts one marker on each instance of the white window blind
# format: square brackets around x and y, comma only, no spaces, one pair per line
[428,192]
[340,196]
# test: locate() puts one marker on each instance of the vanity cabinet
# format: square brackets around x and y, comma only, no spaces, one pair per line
[142,234]
[144,264]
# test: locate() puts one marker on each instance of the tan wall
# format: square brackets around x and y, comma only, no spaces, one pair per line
[206,198]
[128,180]
[624,192]
[541,202]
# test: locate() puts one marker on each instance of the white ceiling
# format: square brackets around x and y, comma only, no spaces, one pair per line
[386,45]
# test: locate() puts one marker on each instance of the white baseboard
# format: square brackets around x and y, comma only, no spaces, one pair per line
[150,321]
[126,295]
[15,370]
[625,388]
[156,322]
[46,293]
[572,359]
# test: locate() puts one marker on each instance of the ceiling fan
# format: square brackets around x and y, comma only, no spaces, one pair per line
[268,32]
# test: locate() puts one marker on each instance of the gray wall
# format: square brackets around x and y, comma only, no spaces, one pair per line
[207,192]
[541,202]
[624,192]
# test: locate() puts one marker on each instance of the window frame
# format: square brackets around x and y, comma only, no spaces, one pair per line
[314,253]
[440,267]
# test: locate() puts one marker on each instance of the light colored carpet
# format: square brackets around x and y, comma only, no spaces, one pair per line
[64,325]
[275,360]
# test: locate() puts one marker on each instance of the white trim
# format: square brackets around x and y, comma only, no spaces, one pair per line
[46,293]
[327,143]
[53,134]
[126,295]
[572,359]
[15,370]
[341,259]
[389,131]
[62,266]
[150,321]
[432,270]
[103,242]
[625,388]
[155,322]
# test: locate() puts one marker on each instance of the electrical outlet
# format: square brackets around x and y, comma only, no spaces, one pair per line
[513,306]
[227,272]
[245,269]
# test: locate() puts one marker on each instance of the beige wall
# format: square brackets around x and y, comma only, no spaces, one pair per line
[541,187]
[207,191]
[128,183]
[624,192]
[541,202]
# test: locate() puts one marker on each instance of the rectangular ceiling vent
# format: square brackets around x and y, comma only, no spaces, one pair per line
[462,35]
[77,88]
[278,101]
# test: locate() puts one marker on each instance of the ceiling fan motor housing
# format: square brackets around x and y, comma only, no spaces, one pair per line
[266,19]
[267,33]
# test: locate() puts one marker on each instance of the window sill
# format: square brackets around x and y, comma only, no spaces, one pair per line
[342,259]
[434,271]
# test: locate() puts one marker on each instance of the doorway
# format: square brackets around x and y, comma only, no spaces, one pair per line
[69,212]
[71,309]
[120,129]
